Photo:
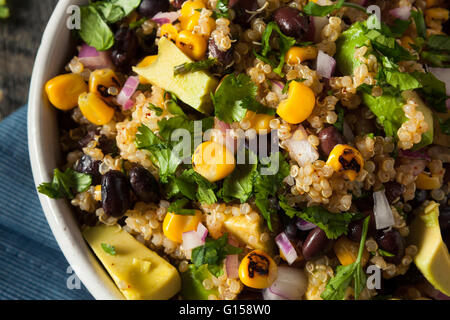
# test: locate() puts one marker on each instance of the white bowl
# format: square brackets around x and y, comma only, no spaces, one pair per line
[52,56]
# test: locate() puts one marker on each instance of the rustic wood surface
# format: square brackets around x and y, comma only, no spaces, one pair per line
[20,36]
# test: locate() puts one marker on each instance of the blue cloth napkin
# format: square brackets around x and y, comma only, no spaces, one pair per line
[31,263]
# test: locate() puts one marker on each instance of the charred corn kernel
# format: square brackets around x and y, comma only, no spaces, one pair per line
[63,91]
[347,160]
[258,270]
[190,8]
[436,14]
[425,181]
[169,31]
[347,251]
[98,193]
[174,225]
[299,104]
[406,41]
[95,109]
[297,55]
[145,63]
[258,122]
[213,161]
[100,80]
[193,21]
[192,45]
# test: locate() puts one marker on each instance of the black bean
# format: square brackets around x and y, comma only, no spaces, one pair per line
[144,184]
[241,9]
[392,242]
[148,8]
[315,243]
[444,218]
[108,146]
[90,135]
[291,231]
[419,197]
[224,58]
[116,194]
[125,48]
[329,138]
[291,22]
[90,166]
[393,191]
[355,228]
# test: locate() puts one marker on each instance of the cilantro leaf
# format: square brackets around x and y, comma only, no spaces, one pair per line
[64,184]
[384,253]
[439,42]
[314,9]
[339,124]
[234,95]
[158,110]
[222,10]
[194,66]
[345,275]
[193,186]
[433,90]
[268,55]
[177,207]
[333,224]
[387,46]
[419,20]
[445,126]
[212,253]
[109,249]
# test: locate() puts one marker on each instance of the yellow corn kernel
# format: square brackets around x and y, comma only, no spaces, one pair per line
[98,193]
[145,63]
[169,31]
[193,21]
[406,42]
[174,225]
[213,161]
[433,3]
[100,80]
[347,251]
[299,104]
[190,8]
[258,270]
[192,45]
[63,90]
[346,159]
[258,122]
[425,181]
[297,55]
[436,14]
[95,109]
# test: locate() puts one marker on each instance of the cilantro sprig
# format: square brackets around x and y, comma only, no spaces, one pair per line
[65,184]
[212,253]
[314,9]
[109,249]
[178,207]
[275,58]
[189,67]
[345,275]
[222,10]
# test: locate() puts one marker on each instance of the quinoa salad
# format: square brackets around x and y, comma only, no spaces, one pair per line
[260,149]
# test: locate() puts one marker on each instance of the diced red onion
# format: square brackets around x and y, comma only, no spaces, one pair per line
[300,149]
[402,13]
[286,247]
[166,17]
[232,266]
[304,225]
[191,240]
[127,92]
[291,284]
[384,217]
[442,74]
[316,26]
[202,231]
[93,59]
[325,65]
[415,155]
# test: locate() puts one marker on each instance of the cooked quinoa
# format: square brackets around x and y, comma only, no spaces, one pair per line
[352,119]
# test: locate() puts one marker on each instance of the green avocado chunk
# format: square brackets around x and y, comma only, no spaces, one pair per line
[387,108]
[192,88]
[192,280]
[432,258]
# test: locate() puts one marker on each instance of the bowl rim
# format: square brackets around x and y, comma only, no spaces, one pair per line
[62,222]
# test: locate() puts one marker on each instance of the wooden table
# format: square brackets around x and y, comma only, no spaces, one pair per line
[20,36]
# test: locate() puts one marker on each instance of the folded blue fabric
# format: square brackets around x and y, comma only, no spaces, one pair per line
[31,263]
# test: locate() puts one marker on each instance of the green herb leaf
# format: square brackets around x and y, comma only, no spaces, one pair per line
[432,90]
[109,249]
[158,110]
[445,126]
[137,24]
[194,66]
[212,253]
[345,275]
[94,30]
[65,184]
[439,42]
[419,20]
[4,10]
[387,46]
[333,224]
[339,124]
[195,187]
[270,56]
[313,9]
[177,207]
[222,10]
[384,253]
